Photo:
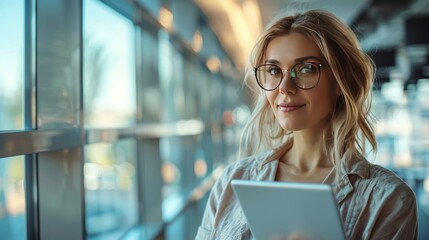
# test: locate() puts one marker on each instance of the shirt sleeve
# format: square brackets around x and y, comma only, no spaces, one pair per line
[398,218]
[206,229]
[223,217]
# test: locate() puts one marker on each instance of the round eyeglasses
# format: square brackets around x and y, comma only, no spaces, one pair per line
[304,75]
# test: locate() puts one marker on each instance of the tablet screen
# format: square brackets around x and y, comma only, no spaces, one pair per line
[281,209]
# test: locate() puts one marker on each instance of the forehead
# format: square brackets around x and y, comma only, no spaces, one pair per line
[291,48]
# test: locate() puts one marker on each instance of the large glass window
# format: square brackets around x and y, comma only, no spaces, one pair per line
[110,189]
[109,69]
[12,32]
[12,198]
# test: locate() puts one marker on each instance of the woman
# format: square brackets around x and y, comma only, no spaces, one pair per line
[313,96]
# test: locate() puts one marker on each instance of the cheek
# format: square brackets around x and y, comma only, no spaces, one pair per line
[270,97]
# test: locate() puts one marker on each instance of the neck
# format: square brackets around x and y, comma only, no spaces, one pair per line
[306,154]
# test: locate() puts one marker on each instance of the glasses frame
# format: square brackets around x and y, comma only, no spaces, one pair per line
[283,73]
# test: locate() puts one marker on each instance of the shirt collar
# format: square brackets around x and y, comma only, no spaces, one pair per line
[351,166]
[357,165]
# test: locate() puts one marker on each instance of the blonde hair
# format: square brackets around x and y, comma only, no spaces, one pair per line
[353,71]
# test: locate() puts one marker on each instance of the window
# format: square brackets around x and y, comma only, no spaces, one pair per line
[12,198]
[109,69]
[12,32]
[110,189]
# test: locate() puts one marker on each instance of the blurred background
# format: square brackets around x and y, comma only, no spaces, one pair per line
[116,116]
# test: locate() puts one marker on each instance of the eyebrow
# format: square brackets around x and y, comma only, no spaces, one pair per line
[298,60]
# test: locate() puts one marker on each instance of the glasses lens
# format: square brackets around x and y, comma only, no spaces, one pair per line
[269,76]
[306,75]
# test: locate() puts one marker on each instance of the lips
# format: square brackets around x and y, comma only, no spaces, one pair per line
[289,107]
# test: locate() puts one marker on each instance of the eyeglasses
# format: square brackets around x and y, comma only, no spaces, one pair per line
[304,75]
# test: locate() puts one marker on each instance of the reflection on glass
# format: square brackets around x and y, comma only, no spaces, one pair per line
[11,64]
[109,69]
[200,167]
[110,189]
[12,198]
[170,173]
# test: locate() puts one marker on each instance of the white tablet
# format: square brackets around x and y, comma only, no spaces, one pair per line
[280,209]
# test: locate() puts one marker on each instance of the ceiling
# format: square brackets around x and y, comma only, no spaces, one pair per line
[379,23]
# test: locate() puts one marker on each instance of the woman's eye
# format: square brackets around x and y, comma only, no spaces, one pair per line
[274,71]
[308,68]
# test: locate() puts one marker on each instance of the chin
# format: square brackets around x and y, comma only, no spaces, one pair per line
[290,127]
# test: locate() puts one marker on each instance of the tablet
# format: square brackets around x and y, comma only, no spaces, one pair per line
[280,209]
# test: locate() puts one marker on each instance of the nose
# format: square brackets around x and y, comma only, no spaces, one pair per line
[286,85]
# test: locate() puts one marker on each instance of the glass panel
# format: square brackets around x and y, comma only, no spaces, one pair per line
[216,106]
[181,162]
[149,90]
[171,80]
[109,67]
[177,166]
[179,154]
[12,198]
[190,88]
[12,27]
[206,151]
[110,189]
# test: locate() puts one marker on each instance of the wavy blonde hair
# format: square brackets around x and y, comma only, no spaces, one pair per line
[353,70]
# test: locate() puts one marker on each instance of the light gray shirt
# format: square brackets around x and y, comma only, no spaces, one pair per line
[374,203]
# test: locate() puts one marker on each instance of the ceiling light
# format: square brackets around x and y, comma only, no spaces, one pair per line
[166,18]
[197,41]
[213,64]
